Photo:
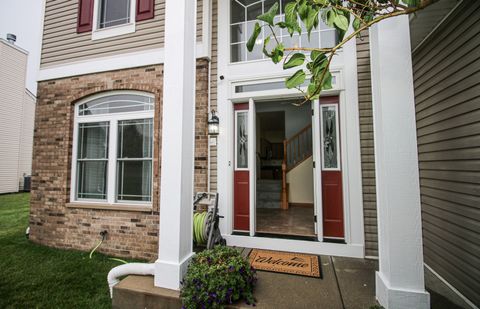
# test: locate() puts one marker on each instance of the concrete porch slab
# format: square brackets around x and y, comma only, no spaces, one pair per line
[346,283]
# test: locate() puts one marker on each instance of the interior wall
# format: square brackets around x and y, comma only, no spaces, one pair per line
[296,117]
[300,181]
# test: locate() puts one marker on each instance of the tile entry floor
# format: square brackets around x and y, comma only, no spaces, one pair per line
[296,221]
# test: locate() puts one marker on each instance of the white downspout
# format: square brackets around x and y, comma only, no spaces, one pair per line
[142,269]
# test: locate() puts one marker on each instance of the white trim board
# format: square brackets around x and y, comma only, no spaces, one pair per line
[110,63]
[301,246]
[103,64]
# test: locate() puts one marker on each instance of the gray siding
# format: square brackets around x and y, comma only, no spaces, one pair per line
[366,144]
[447,94]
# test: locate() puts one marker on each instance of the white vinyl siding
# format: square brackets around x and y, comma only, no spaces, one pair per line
[26,138]
[13,65]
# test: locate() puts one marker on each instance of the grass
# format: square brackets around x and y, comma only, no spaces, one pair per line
[34,276]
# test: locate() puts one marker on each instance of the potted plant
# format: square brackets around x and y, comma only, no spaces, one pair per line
[216,278]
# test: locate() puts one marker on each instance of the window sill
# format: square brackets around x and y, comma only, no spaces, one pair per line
[113,31]
[105,206]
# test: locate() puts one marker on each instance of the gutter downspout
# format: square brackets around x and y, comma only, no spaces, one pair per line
[142,269]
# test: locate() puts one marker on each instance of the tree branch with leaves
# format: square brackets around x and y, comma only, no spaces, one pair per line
[337,14]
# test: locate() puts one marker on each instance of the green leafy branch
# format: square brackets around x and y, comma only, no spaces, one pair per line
[337,14]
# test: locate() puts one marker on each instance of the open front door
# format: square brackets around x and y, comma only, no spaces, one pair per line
[244,186]
[317,175]
[241,174]
[331,179]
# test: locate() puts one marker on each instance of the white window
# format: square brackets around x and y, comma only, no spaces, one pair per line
[112,18]
[243,14]
[113,149]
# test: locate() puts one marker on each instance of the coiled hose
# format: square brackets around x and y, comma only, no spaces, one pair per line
[201,225]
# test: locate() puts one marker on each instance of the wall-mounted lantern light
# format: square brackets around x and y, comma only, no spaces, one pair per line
[213,124]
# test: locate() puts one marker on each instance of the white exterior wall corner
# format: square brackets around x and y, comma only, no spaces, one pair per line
[400,281]
[13,68]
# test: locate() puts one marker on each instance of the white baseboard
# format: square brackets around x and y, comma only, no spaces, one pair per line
[396,298]
[169,274]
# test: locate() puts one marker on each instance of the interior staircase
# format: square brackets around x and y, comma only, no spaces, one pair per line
[273,193]
[269,192]
[296,149]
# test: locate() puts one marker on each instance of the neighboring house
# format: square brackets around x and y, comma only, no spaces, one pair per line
[117,116]
[17,112]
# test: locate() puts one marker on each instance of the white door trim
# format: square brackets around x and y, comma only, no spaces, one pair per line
[252,161]
[346,64]
[317,171]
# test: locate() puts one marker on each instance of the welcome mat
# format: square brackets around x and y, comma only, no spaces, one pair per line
[286,262]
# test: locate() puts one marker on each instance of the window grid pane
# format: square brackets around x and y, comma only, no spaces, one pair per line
[119,103]
[92,179]
[322,36]
[114,13]
[134,160]
[92,160]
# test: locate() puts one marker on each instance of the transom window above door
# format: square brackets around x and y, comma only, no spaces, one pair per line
[113,149]
[114,13]
[243,15]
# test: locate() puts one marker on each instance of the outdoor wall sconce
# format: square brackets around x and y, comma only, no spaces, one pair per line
[213,124]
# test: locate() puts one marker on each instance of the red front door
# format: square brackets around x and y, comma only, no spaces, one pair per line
[241,174]
[332,191]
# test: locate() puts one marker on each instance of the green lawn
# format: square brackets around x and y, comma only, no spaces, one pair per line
[33,276]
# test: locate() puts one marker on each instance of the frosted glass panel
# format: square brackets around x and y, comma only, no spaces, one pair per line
[242,140]
[330,140]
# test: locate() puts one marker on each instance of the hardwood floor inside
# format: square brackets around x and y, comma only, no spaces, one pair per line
[296,221]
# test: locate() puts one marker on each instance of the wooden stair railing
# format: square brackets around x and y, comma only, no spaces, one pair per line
[296,149]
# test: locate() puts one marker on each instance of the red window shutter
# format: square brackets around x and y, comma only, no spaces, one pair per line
[85,16]
[145,9]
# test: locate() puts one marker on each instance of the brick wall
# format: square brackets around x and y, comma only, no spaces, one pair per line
[130,234]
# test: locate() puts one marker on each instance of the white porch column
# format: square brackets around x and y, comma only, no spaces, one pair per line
[176,188]
[399,281]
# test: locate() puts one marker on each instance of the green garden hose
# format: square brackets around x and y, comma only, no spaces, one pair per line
[200,228]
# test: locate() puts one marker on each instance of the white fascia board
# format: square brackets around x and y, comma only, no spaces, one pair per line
[302,246]
[111,63]
[103,64]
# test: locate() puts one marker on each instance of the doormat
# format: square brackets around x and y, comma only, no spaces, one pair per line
[286,262]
